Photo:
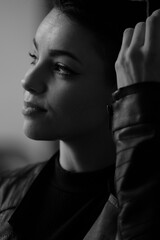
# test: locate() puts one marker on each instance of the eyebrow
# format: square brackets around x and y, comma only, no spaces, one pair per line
[59,52]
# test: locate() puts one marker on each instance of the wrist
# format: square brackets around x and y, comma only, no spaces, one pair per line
[136,88]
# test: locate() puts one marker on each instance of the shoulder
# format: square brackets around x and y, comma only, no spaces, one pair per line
[15,183]
[19,175]
[21,172]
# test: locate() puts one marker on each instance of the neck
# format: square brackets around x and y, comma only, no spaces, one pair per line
[89,152]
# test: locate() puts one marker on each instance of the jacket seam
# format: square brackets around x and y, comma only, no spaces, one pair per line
[123,162]
[7,209]
[134,124]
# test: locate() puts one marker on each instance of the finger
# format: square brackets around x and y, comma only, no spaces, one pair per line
[138,35]
[127,37]
[126,40]
[152,34]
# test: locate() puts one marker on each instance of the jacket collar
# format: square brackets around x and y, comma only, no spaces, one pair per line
[26,214]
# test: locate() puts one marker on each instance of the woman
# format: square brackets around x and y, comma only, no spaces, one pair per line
[77,194]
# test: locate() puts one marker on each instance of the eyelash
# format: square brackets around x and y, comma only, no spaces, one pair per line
[63,70]
[58,67]
[33,56]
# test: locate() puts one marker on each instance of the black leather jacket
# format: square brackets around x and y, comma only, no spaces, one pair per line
[133,214]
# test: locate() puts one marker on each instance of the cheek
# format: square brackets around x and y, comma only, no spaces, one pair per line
[75,103]
[67,101]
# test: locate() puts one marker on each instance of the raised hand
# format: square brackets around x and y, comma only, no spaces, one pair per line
[139,57]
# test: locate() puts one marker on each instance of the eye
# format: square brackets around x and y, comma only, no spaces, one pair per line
[34,58]
[64,70]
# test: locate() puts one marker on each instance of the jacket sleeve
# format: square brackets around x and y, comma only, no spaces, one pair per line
[136,132]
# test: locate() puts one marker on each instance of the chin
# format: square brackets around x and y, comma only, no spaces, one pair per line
[30,133]
[36,132]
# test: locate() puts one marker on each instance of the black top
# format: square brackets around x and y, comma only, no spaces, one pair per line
[61,204]
[72,202]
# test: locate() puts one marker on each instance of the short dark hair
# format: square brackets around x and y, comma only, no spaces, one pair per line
[106,19]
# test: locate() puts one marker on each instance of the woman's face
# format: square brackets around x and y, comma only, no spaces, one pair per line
[65,93]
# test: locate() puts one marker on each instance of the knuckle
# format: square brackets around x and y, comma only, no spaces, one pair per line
[140,25]
[149,20]
[156,12]
[130,54]
[155,17]
[117,64]
[127,31]
[134,56]
[120,62]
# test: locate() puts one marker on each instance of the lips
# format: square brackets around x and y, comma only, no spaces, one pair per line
[31,108]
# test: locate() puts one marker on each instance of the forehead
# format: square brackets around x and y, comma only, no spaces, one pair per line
[52,22]
[58,31]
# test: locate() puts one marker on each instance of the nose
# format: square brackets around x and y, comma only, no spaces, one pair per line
[34,81]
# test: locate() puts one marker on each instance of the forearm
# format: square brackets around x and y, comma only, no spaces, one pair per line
[136,131]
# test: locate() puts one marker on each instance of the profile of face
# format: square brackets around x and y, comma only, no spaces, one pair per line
[65,90]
